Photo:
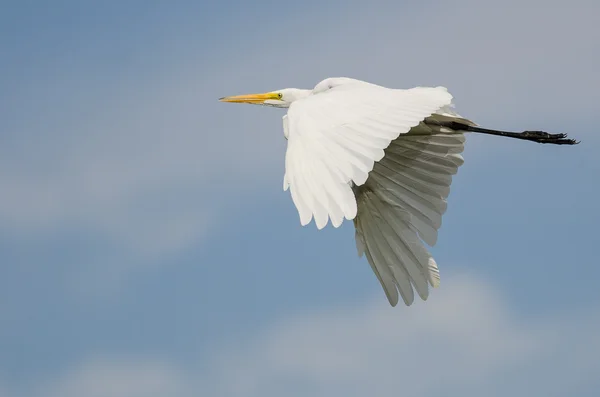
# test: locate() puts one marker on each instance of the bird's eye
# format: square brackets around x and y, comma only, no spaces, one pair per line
[280,95]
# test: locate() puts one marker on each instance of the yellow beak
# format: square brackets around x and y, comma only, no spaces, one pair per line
[251,98]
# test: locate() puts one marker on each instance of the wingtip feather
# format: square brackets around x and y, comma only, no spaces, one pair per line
[433,273]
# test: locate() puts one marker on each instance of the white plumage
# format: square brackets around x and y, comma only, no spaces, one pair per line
[339,139]
[381,157]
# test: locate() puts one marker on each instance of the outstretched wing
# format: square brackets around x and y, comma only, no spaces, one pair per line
[401,204]
[336,136]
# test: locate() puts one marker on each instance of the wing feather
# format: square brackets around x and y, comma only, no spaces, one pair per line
[336,137]
[373,242]
[404,258]
[401,198]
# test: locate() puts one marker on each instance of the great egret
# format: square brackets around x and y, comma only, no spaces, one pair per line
[383,158]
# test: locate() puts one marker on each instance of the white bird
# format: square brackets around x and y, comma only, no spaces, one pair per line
[383,158]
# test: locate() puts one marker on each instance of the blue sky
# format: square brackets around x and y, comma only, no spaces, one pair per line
[147,248]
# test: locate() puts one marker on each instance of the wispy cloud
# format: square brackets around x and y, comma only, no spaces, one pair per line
[119,378]
[468,340]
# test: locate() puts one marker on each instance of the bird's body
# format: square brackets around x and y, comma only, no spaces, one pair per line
[383,158]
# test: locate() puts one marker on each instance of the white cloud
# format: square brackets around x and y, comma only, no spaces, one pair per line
[118,378]
[467,340]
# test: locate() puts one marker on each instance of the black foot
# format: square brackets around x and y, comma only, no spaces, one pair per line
[544,137]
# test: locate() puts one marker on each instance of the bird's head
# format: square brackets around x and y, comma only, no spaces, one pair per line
[279,99]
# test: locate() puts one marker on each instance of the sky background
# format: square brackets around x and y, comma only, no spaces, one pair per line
[147,247]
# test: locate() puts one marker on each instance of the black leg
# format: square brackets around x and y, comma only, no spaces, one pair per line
[534,136]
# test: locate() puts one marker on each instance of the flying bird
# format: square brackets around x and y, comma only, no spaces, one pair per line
[383,158]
